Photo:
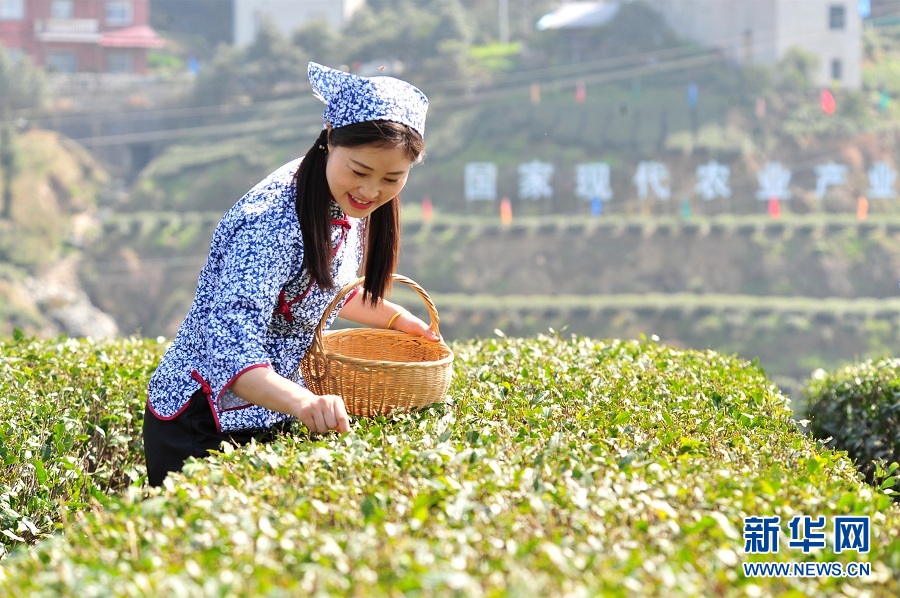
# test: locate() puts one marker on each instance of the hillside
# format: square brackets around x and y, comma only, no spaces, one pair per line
[809,256]
[799,293]
[54,215]
[610,126]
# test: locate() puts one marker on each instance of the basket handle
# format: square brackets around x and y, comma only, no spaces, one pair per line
[432,310]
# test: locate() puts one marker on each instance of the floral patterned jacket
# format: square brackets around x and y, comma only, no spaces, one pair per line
[255,305]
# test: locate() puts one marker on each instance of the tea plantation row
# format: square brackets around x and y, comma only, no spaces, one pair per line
[557,466]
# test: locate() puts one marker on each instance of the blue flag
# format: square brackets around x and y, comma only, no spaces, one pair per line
[865,8]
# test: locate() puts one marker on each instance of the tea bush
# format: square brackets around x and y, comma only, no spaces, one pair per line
[556,467]
[857,409]
[70,415]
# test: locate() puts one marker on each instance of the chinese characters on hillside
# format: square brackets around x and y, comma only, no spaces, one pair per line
[593,181]
[481,181]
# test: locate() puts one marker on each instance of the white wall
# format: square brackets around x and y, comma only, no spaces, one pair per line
[288,15]
[762,31]
[805,24]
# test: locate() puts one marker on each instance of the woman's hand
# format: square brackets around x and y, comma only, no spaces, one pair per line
[323,413]
[266,388]
[407,322]
[385,314]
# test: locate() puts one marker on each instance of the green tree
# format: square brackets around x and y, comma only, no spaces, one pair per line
[21,87]
[271,60]
[217,83]
[448,47]
[319,41]
[7,163]
[260,71]
[389,33]
[484,17]
[794,72]
[430,38]
[635,30]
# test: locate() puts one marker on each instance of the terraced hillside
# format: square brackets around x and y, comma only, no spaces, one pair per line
[797,293]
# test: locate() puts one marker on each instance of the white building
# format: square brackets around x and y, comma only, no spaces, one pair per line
[288,15]
[762,31]
[751,31]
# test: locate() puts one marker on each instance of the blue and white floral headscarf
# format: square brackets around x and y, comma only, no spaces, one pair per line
[352,99]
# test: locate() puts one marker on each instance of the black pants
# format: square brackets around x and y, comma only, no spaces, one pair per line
[193,433]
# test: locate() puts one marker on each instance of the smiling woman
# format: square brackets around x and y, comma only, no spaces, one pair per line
[365,178]
[278,258]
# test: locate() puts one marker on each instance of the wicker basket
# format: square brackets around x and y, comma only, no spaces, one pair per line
[378,370]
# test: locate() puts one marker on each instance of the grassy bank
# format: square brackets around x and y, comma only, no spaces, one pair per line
[557,466]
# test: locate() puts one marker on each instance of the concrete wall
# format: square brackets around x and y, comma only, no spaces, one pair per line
[806,24]
[762,31]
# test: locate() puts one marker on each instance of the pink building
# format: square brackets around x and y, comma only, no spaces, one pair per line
[103,36]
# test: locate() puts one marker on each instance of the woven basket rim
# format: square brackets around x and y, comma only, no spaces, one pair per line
[392,364]
[365,333]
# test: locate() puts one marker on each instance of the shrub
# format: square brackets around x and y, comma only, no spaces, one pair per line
[857,409]
[556,467]
[70,415]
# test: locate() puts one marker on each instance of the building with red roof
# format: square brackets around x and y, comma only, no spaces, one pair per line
[71,36]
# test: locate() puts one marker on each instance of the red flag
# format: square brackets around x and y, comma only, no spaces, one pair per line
[427,213]
[535,93]
[580,92]
[827,102]
[760,108]
[862,208]
[505,211]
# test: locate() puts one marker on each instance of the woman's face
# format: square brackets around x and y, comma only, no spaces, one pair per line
[362,179]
